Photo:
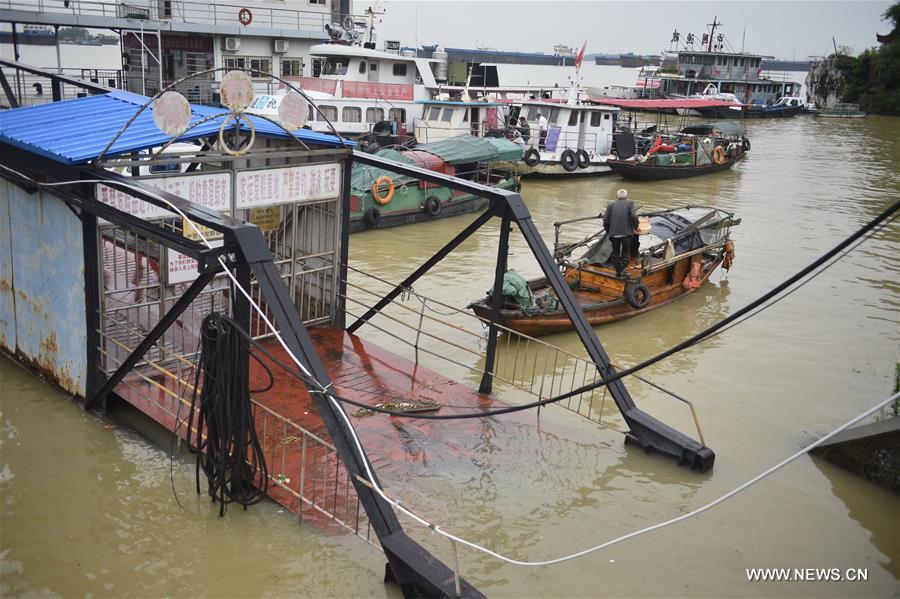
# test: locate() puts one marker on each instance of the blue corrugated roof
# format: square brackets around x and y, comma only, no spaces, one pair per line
[76,131]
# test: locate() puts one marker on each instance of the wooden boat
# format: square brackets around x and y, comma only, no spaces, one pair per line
[683,247]
[380,198]
[695,150]
[844,111]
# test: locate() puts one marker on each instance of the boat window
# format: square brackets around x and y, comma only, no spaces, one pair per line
[373,115]
[373,66]
[310,114]
[448,115]
[466,115]
[351,114]
[165,168]
[573,118]
[397,114]
[292,67]
[595,118]
[532,112]
[554,115]
[328,112]
[335,66]
[362,67]
[434,113]
[606,117]
[399,69]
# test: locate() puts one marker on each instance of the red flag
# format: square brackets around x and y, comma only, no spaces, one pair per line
[580,57]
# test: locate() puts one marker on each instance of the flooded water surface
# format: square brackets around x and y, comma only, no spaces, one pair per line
[88,507]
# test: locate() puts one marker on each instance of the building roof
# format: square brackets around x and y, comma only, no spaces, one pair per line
[76,131]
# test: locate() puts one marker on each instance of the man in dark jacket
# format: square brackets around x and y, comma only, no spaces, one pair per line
[619,221]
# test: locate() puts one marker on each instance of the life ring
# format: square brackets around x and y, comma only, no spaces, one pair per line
[372,216]
[638,296]
[432,206]
[532,157]
[568,161]
[584,160]
[348,23]
[245,16]
[376,190]
[746,145]
[718,155]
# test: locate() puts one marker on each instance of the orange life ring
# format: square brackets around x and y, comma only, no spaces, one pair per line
[376,190]
[718,155]
[245,16]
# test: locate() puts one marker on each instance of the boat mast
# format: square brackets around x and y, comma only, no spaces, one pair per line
[712,33]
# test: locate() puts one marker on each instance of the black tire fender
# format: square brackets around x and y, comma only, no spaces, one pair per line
[637,295]
[432,206]
[372,216]
[568,160]
[584,160]
[746,145]
[531,157]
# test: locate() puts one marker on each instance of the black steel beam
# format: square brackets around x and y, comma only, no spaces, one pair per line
[415,573]
[152,337]
[341,313]
[92,293]
[487,379]
[10,94]
[424,268]
[649,432]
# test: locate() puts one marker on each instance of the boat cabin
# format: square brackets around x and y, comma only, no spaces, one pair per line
[570,126]
[442,119]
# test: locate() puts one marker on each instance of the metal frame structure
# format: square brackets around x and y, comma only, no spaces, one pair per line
[247,253]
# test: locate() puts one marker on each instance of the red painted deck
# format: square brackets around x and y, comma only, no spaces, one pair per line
[359,370]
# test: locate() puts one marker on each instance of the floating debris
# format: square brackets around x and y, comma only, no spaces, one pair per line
[400,406]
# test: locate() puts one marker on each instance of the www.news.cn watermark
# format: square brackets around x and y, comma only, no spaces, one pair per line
[807,574]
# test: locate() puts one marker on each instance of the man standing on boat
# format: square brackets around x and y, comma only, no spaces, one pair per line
[619,221]
[542,125]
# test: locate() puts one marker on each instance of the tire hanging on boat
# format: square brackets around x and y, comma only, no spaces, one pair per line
[746,145]
[637,295]
[372,216]
[568,161]
[432,206]
[584,160]
[531,157]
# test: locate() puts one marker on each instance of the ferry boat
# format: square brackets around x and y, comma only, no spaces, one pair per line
[678,251]
[713,63]
[845,111]
[578,141]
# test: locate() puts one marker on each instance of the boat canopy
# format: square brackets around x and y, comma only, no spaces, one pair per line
[468,149]
[665,104]
[724,128]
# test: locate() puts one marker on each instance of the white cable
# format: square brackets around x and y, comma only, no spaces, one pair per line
[396,504]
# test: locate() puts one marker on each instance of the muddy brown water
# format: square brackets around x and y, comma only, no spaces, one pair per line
[88,509]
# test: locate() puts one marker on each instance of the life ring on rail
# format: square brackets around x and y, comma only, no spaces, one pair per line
[372,217]
[432,206]
[245,16]
[746,145]
[532,157]
[638,296]
[568,160]
[376,190]
[584,160]
[718,155]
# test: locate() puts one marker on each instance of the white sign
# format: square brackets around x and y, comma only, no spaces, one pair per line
[181,268]
[211,190]
[288,185]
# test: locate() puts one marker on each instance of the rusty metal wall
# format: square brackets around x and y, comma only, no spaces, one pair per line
[42,301]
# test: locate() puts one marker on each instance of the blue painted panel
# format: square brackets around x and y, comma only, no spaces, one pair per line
[48,282]
[7,303]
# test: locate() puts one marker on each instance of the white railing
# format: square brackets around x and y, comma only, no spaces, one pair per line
[180,11]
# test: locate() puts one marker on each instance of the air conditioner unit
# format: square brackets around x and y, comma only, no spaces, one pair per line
[232,44]
[280,46]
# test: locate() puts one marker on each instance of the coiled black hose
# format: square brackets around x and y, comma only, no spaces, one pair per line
[227,447]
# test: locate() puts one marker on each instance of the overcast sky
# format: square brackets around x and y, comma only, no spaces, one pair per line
[783,29]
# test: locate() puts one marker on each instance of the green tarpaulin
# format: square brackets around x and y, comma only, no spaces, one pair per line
[363,177]
[466,149]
